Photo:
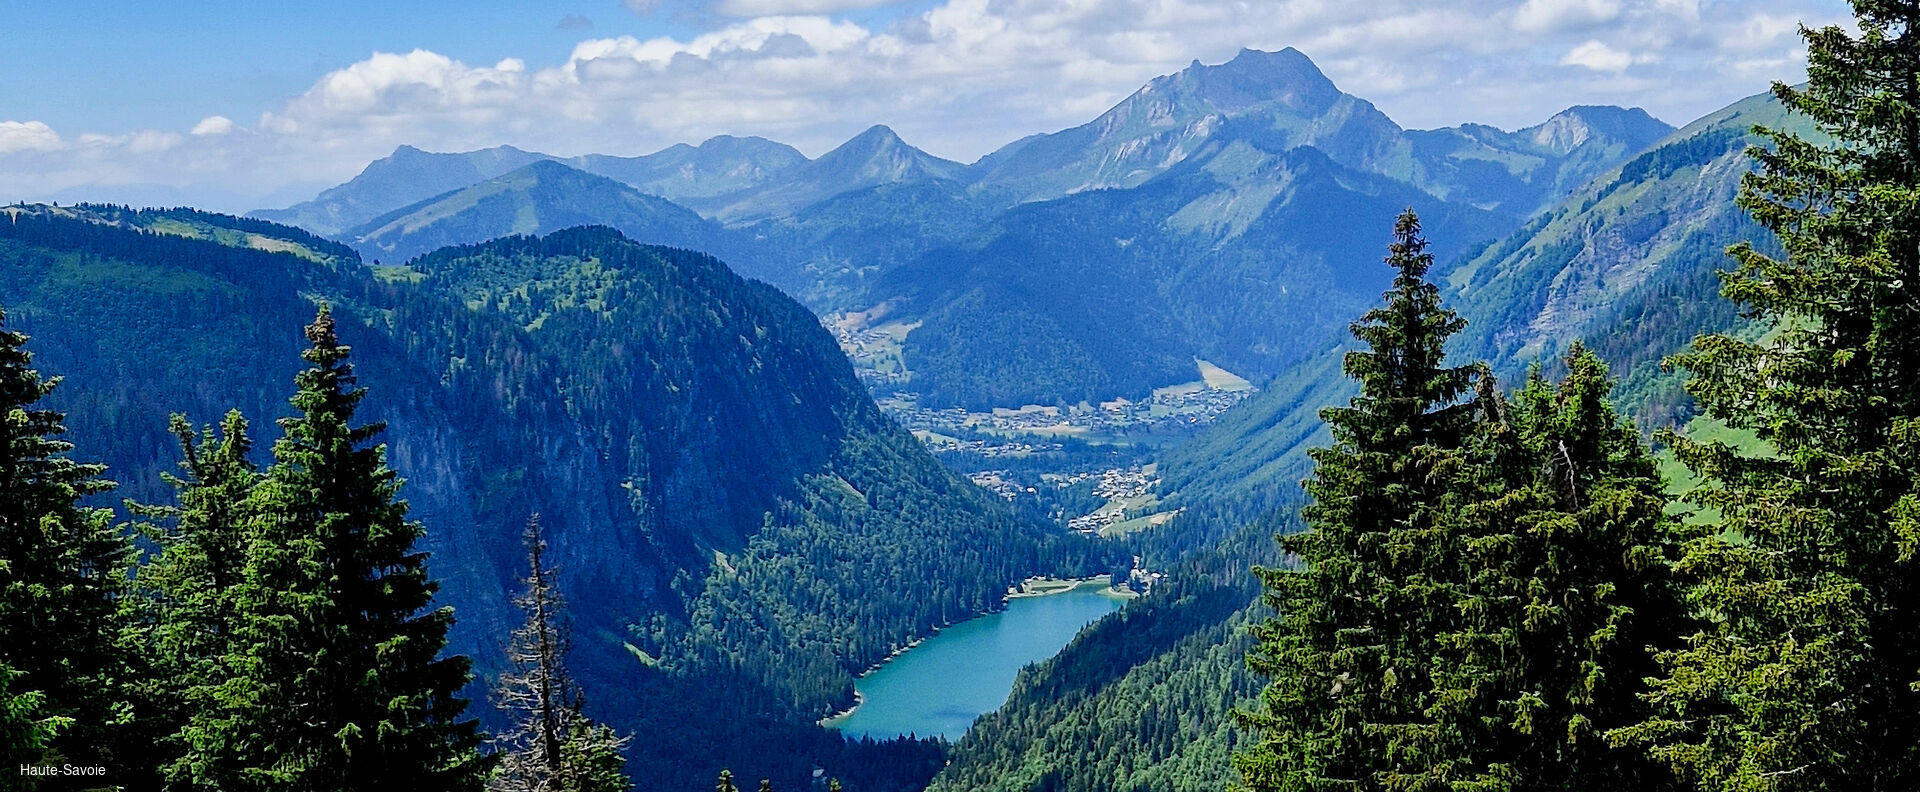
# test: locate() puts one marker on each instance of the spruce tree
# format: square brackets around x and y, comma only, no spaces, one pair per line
[25,733]
[595,758]
[1567,554]
[1808,676]
[1347,653]
[726,782]
[189,585]
[63,573]
[553,746]
[335,680]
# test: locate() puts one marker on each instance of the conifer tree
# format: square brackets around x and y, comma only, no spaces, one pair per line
[1808,677]
[336,682]
[553,746]
[189,586]
[1347,654]
[63,571]
[726,782]
[1567,552]
[595,758]
[25,733]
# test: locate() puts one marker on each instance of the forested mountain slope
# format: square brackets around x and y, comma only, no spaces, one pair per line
[738,526]
[1248,254]
[1142,700]
[1626,263]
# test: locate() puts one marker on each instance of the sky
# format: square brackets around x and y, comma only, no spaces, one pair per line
[235,106]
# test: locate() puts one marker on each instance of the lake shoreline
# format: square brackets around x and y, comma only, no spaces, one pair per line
[1049,586]
[1031,588]
[828,722]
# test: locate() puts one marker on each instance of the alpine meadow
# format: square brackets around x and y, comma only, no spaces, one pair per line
[1225,431]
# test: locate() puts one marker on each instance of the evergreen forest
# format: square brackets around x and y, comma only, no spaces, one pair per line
[1450,460]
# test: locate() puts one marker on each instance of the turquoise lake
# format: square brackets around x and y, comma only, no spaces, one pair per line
[967,670]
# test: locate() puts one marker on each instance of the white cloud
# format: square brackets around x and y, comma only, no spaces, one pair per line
[419,81]
[759,8]
[142,142]
[959,78]
[1598,57]
[1551,15]
[27,136]
[213,125]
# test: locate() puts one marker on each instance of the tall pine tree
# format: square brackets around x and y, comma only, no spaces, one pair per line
[1347,654]
[336,680]
[1567,553]
[189,586]
[1808,677]
[553,746]
[63,573]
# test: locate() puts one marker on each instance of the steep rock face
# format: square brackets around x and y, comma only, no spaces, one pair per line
[1166,121]
[1627,262]
[1575,127]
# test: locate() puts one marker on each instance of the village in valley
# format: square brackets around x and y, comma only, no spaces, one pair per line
[1088,466]
[874,344]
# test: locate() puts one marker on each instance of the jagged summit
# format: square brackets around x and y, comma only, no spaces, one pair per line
[1285,80]
[1570,128]
[876,156]
[1255,78]
[1282,94]
[876,138]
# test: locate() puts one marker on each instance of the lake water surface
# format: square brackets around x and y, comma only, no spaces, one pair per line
[942,685]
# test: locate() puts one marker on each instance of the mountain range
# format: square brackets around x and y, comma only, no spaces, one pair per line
[741,526]
[1051,262]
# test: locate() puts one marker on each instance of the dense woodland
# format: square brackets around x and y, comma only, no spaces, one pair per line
[841,538]
[1493,588]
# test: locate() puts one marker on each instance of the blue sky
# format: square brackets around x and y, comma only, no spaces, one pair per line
[236,105]
[123,66]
